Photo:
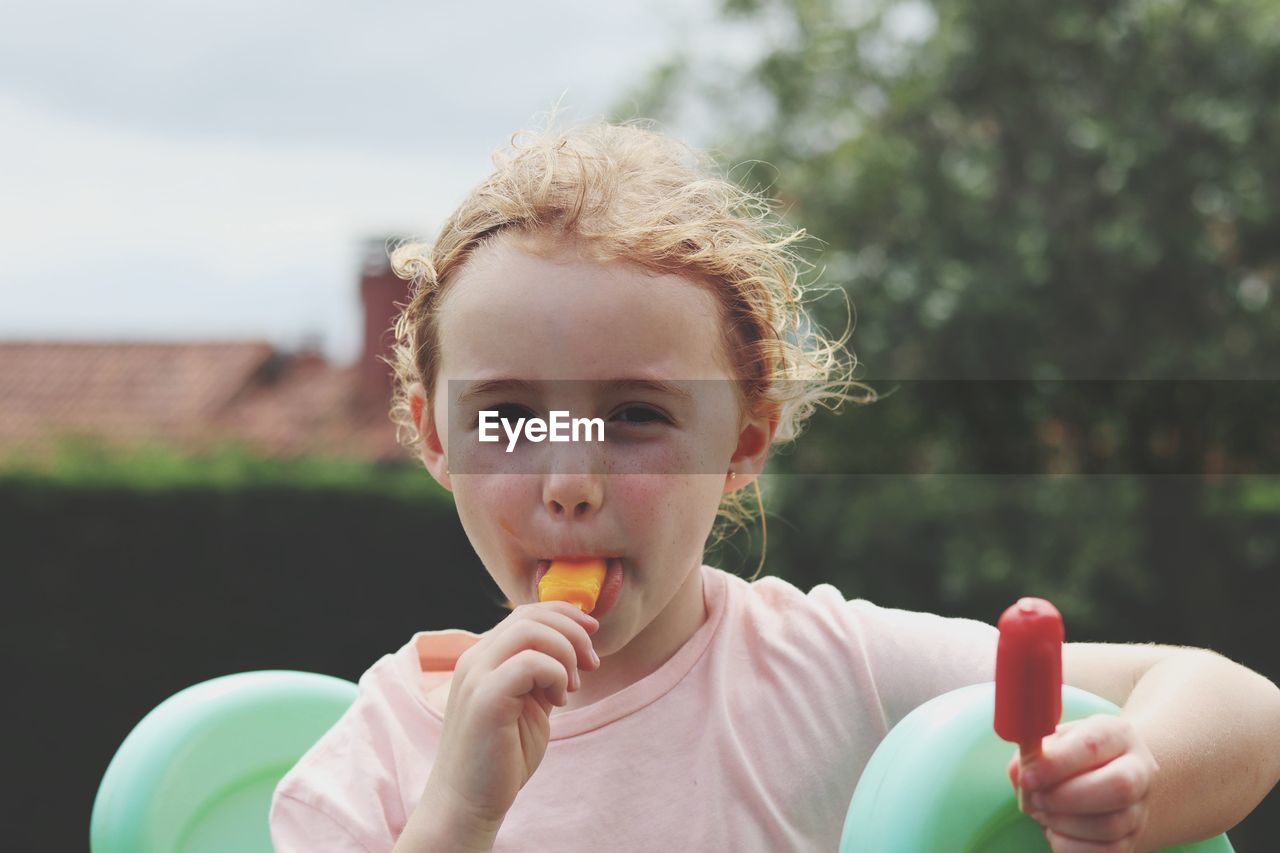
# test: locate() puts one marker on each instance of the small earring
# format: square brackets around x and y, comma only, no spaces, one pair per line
[732,475]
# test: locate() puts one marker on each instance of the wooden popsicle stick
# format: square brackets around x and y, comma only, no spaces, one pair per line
[1026,754]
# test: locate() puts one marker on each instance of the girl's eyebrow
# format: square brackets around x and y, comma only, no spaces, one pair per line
[494,386]
[498,386]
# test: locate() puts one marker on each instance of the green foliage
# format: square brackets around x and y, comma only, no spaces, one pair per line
[1006,189]
[1051,192]
[86,465]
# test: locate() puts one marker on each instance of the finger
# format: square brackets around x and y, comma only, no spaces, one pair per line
[1059,843]
[536,635]
[1071,751]
[1110,826]
[1015,762]
[540,611]
[1063,728]
[566,617]
[569,620]
[591,623]
[1118,785]
[541,700]
[574,631]
[527,672]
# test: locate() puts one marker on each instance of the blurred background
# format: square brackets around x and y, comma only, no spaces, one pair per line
[1063,222]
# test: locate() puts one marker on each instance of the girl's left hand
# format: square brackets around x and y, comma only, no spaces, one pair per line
[1089,786]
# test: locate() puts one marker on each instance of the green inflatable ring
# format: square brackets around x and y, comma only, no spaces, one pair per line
[197,773]
[939,781]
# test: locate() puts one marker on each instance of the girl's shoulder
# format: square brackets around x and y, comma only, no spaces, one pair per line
[780,594]
[771,602]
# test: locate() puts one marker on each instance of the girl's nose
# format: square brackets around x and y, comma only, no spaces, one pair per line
[582,508]
[573,495]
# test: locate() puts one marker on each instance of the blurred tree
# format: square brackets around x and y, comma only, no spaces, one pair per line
[1072,192]
[1087,190]
[1049,192]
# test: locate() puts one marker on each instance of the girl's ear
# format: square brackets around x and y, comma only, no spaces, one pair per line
[431,449]
[753,449]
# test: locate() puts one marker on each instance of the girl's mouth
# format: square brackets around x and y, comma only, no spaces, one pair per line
[610,590]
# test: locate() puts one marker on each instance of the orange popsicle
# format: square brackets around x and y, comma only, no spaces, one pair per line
[575,581]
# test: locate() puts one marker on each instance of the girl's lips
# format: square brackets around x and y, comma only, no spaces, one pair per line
[611,589]
[543,565]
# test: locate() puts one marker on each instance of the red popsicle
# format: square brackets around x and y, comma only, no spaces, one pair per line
[1029,676]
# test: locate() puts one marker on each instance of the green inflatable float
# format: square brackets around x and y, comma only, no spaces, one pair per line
[196,775]
[939,779]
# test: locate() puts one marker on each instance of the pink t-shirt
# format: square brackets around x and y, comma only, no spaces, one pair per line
[751,737]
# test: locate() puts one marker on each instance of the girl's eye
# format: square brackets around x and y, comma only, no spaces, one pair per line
[506,411]
[512,412]
[641,415]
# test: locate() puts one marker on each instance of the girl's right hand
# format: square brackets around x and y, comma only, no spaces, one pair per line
[497,720]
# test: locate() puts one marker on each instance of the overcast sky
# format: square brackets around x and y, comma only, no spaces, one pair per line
[201,170]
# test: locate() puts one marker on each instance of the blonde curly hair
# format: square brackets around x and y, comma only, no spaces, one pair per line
[624,191]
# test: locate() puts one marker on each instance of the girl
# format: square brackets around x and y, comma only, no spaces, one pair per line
[607,271]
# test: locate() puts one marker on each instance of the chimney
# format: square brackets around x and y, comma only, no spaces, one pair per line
[380,289]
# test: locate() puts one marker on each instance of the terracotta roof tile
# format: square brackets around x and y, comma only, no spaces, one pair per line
[187,395]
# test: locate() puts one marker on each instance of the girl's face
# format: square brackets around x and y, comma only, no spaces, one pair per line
[649,492]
